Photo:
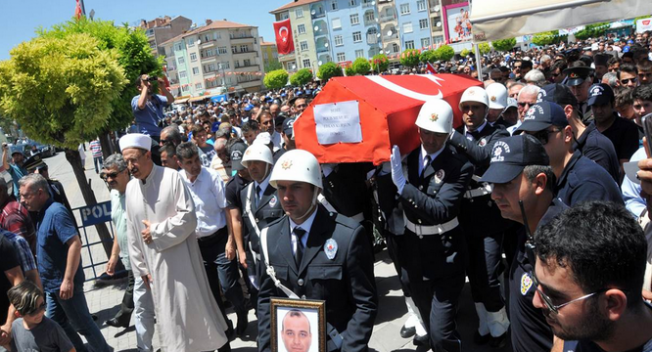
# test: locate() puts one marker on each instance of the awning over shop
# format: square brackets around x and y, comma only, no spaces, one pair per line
[500,19]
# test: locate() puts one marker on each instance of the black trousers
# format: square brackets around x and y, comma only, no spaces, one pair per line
[484,269]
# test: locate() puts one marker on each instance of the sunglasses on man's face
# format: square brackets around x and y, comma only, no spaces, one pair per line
[106,175]
[627,80]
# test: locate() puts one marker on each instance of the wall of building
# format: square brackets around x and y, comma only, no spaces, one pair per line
[353,29]
[304,38]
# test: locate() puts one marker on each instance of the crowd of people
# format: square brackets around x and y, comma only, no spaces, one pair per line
[536,186]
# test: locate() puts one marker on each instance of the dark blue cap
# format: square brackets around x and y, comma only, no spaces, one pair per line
[288,127]
[600,94]
[511,155]
[541,116]
[559,94]
[248,107]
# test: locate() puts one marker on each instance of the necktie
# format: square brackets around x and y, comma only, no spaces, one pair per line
[426,162]
[257,197]
[299,233]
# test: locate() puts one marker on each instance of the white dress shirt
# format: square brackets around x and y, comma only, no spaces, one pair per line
[210,200]
[306,225]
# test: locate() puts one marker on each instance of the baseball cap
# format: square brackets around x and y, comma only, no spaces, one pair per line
[577,75]
[600,94]
[236,152]
[248,107]
[288,127]
[511,155]
[541,116]
[560,94]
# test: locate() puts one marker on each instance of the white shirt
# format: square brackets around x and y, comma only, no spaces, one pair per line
[209,197]
[467,132]
[262,185]
[276,140]
[306,225]
[422,157]
[511,129]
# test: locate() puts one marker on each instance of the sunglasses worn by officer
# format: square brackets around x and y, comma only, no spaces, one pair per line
[542,136]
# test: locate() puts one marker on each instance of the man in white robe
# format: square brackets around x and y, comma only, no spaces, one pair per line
[163,249]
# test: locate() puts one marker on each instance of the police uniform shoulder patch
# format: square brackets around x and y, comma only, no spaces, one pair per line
[273,201]
[526,283]
[330,248]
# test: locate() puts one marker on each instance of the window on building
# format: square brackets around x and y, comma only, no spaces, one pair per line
[303,45]
[405,9]
[186,88]
[409,44]
[421,5]
[438,39]
[338,40]
[301,28]
[195,70]
[306,63]
[355,19]
[222,50]
[357,37]
[198,86]
[224,65]
[246,62]
[334,5]
[359,53]
[244,48]
[407,27]
[423,23]
[178,46]
[283,16]
[191,41]
[352,2]
[182,74]
[234,49]
[425,42]
[193,56]
[298,12]
[337,24]
[217,35]
[341,57]
[181,60]
[369,16]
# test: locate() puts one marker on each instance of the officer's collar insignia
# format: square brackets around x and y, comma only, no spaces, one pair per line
[330,248]
[286,164]
[434,117]
[526,283]
[272,202]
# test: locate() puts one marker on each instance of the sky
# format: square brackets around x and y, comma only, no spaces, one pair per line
[20,18]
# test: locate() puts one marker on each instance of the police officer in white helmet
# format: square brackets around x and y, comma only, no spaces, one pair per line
[434,251]
[311,253]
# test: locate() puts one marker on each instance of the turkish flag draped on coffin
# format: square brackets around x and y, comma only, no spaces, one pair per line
[284,41]
[359,118]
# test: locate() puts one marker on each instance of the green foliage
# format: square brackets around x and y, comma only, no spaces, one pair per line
[273,66]
[61,91]
[328,70]
[276,79]
[361,66]
[504,44]
[465,52]
[410,58]
[428,56]
[380,63]
[546,38]
[445,53]
[484,48]
[349,71]
[134,56]
[593,31]
[301,77]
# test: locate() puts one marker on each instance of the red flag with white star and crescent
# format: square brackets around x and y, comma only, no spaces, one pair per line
[78,10]
[284,41]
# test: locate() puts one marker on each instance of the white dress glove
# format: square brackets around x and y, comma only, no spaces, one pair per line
[397,169]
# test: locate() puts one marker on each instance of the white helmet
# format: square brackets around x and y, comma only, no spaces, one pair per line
[436,115]
[476,94]
[257,152]
[497,96]
[297,165]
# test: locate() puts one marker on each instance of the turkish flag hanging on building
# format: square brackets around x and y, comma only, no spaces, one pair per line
[78,10]
[284,41]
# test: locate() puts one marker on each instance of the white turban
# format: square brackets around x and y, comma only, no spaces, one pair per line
[136,140]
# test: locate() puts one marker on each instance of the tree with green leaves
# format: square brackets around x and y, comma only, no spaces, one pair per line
[328,70]
[445,53]
[484,48]
[349,71]
[593,30]
[272,66]
[410,57]
[361,66]
[276,79]
[301,77]
[379,63]
[428,56]
[504,44]
[546,38]
[465,52]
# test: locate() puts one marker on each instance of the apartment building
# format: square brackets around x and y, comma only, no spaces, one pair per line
[162,29]
[218,54]
[269,52]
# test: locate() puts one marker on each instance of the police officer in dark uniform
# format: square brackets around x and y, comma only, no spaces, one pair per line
[314,254]
[480,219]
[579,78]
[435,251]
[520,171]
[260,202]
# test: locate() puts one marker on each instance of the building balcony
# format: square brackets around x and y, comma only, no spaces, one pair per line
[317,11]
[244,53]
[211,73]
[247,68]
[321,28]
[387,17]
[256,82]
[286,57]
[242,40]
[368,3]
[207,44]
[390,37]
[368,23]
[208,59]
[322,45]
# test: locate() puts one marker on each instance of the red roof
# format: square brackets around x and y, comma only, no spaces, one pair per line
[213,25]
[294,4]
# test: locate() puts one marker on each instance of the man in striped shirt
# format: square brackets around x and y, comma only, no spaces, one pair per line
[96,149]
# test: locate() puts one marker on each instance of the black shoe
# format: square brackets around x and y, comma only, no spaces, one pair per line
[119,322]
[408,332]
[481,339]
[499,342]
[225,348]
[243,322]
[423,341]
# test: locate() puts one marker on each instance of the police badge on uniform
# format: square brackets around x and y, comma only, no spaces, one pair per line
[526,283]
[483,142]
[330,248]
[439,176]
[272,202]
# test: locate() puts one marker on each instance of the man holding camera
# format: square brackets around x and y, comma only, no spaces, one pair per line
[148,106]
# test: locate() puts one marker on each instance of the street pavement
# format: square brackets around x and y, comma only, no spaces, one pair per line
[104,300]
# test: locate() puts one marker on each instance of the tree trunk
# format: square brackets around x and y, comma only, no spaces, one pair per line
[107,145]
[89,197]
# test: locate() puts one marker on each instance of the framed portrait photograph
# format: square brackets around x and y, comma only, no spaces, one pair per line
[298,325]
